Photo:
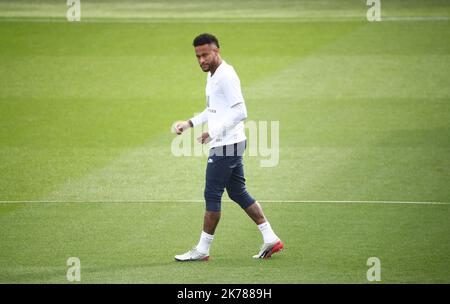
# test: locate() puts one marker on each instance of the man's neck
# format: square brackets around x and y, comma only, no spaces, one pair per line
[213,70]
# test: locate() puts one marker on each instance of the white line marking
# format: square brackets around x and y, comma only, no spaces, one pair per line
[220,20]
[416,18]
[201,201]
[361,202]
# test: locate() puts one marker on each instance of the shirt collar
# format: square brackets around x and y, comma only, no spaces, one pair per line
[218,68]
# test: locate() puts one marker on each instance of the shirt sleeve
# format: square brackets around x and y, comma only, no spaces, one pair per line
[234,115]
[200,118]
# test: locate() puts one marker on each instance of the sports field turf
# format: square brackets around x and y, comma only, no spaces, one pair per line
[85,143]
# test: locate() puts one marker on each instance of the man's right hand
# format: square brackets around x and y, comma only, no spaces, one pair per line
[181,126]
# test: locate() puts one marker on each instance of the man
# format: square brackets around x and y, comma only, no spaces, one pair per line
[225,112]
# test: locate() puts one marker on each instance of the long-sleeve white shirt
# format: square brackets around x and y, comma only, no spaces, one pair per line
[225,107]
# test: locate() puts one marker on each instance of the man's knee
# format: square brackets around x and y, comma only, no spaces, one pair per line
[243,199]
[213,215]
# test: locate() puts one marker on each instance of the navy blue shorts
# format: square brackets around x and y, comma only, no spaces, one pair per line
[225,170]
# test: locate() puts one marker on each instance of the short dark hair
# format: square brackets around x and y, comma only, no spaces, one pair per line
[205,38]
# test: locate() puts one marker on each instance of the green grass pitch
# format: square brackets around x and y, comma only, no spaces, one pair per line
[86,166]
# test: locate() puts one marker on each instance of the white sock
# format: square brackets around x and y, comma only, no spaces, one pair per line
[268,235]
[205,242]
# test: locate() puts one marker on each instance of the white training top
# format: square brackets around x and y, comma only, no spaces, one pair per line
[225,107]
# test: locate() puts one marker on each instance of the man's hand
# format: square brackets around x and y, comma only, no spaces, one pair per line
[181,126]
[204,138]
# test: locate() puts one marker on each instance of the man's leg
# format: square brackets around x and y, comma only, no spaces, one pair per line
[218,172]
[201,251]
[254,211]
[210,221]
[272,242]
[237,192]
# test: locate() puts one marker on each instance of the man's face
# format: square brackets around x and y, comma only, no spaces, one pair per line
[207,55]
